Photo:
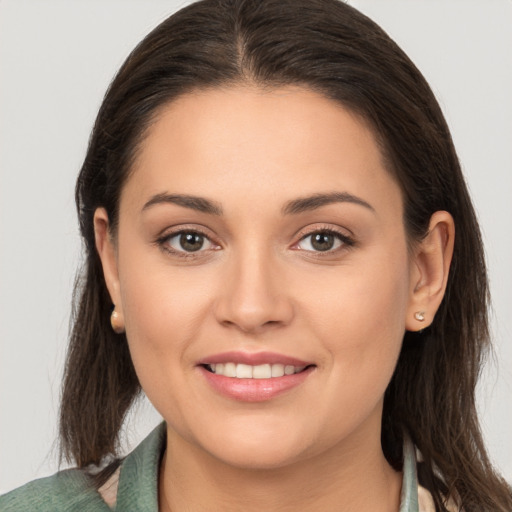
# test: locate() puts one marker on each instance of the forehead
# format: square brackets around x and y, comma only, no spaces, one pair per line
[228,142]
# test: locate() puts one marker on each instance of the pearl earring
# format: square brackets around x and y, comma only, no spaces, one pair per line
[420,316]
[116,322]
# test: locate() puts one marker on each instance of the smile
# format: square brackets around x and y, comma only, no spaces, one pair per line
[246,371]
[253,377]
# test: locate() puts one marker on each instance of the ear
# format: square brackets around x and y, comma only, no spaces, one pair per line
[107,252]
[429,271]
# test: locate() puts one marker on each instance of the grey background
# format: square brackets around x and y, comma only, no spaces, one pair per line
[56,60]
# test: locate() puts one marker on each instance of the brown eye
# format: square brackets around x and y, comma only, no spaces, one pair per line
[187,242]
[191,242]
[324,241]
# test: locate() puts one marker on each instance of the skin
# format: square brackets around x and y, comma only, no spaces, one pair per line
[258,284]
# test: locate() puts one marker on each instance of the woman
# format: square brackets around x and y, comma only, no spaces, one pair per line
[269,205]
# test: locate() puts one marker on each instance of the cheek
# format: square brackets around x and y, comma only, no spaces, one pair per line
[164,310]
[360,318]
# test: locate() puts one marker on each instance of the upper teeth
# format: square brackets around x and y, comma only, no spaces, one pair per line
[246,371]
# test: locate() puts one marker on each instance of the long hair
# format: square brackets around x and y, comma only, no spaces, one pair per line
[331,48]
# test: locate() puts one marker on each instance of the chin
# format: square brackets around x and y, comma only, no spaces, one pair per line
[258,458]
[256,449]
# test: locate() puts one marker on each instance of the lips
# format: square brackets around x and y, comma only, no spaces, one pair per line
[253,377]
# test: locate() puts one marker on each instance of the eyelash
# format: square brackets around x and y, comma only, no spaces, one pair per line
[347,241]
[163,242]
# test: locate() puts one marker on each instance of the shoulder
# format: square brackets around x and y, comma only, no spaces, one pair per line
[132,487]
[70,490]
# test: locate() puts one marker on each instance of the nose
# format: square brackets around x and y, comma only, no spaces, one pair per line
[254,295]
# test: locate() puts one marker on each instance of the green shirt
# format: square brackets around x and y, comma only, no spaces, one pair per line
[71,490]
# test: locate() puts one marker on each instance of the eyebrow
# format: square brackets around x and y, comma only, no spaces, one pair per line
[300,205]
[200,204]
[315,201]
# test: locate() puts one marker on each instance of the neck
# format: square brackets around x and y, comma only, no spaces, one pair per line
[348,478]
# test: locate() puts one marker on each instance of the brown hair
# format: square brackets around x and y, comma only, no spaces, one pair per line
[329,47]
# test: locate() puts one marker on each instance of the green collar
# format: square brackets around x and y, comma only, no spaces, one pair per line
[138,480]
[409,495]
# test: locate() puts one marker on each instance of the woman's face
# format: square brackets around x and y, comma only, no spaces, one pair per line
[260,232]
